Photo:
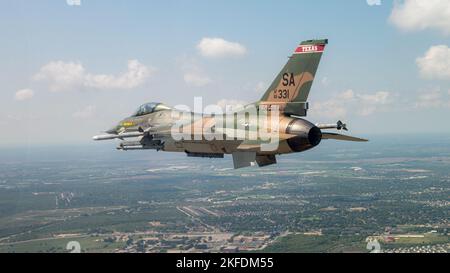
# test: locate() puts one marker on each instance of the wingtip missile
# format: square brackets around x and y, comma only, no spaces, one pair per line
[117,136]
[338,126]
[341,126]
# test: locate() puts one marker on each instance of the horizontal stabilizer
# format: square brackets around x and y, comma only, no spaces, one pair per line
[342,137]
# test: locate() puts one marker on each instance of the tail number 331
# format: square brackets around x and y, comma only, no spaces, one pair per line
[281,94]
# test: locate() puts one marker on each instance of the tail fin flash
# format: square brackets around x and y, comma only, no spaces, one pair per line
[290,89]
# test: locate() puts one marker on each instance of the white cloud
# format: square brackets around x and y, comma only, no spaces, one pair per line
[432,99]
[196,78]
[135,76]
[61,75]
[325,81]
[193,74]
[329,109]
[347,95]
[371,103]
[218,47]
[71,75]
[85,113]
[24,94]
[429,100]
[413,15]
[15,117]
[261,87]
[351,102]
[435,64]
[381,97]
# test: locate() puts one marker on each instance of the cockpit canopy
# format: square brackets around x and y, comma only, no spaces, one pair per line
[149,108]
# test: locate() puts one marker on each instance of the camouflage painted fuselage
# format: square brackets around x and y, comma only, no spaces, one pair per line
[295,134]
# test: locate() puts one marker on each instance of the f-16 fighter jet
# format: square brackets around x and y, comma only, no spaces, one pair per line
[253,134]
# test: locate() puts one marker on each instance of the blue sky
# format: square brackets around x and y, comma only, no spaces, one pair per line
[68,72]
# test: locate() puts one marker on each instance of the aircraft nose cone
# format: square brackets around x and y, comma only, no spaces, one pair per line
[315,136]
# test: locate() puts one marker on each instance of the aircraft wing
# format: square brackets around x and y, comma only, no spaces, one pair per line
[342,137]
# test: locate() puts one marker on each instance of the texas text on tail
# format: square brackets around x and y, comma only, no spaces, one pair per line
[151,125]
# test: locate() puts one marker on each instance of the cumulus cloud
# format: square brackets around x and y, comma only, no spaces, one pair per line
[24,94]
[135,76]
[218,48]
[372,102]
[196,78]
[71,75]
[432,99]
[61,75]
[351,102]
[347,95]
[329,109]
[411,15]
[261,87]
[85,113]
[325,81]
[435,64]
[193,74]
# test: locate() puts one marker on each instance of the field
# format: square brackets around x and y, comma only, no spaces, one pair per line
[299,243]
[325,201]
